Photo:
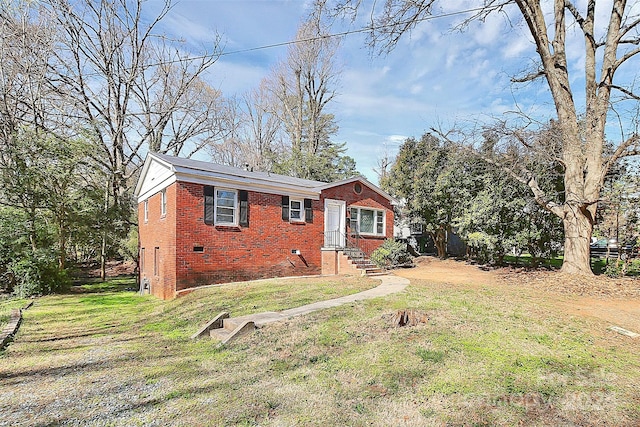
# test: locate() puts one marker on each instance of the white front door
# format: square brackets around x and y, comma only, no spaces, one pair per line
[334,221]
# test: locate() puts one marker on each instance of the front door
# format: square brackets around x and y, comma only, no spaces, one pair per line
[334,221]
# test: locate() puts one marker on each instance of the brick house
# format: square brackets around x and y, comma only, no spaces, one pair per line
[202,223]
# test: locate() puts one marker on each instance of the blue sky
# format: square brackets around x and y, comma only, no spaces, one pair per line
[434,78]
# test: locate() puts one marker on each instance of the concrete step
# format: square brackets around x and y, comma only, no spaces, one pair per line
[231,323]
[226,334]
[219,334]
[226,329]
[216,323]
[364,265]
[354,253]
[368,264]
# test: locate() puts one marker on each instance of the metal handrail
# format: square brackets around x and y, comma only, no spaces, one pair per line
[334,239]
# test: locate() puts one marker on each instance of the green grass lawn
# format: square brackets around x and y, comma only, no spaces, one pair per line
[487,356]
[123,283]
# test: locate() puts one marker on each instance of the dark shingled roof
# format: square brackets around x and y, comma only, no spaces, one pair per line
[239,172]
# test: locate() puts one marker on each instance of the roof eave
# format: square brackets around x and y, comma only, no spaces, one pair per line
[145,170]
[365,181]
[268,187]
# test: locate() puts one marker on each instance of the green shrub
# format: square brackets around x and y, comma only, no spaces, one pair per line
[37,274]
[614,268]
[391,253]
[619,268]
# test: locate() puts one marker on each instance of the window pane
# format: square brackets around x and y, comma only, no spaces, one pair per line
[295,210]
[380,222]
[226,202]
[225,207]
[225,211]
[224,194]
[353,220]
[366,221]
[224,219]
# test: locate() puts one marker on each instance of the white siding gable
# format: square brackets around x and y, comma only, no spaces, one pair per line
[155,176]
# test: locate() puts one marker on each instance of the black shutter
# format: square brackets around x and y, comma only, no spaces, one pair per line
[243,195]
[209,198]
[308,211]
[285,208]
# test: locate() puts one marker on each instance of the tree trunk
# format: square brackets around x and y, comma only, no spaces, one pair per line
[440,241]
[103,246]
[62,246]
[578,227]
[33,233]
[103,257]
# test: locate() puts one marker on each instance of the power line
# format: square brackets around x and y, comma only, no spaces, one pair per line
[358,30]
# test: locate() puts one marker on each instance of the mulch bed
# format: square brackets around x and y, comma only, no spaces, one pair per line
[555,281]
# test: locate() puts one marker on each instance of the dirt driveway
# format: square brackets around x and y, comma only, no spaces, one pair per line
[616,301]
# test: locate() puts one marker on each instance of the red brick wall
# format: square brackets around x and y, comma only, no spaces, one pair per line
[159,232]
[240,253]
[369,199]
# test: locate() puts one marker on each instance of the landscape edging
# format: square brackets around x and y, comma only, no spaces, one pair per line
[12,327]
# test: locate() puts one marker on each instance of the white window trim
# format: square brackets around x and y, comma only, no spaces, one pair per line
[163,202]
[375,224]
[302,218]
[236,208]
[146,210]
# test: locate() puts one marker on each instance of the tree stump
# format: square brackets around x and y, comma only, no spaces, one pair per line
[408,317]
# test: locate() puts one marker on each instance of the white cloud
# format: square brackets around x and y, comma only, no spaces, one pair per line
[235,78]
[489,32]
[433,77]
[416,89]
[516,46]
[189,30]
[396,139]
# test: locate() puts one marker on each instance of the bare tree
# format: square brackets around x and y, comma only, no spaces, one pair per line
[230,149]
[253,133]
[130,86]
[181,113]
[582,156]
[302,87]
[263,128]
[119,81]
[26,46]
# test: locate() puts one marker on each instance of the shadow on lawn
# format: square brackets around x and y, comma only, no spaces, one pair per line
[93,285]
[611,267]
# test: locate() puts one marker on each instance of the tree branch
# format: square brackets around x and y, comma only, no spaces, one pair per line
[627,92]
[529,77]
[623,150]
[625,57]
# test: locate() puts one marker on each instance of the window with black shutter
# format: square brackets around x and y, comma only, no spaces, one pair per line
[209,205]
[285,208]
[308,211]
[243,195]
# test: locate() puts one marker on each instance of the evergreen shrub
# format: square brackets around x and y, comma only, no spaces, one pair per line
[391,253]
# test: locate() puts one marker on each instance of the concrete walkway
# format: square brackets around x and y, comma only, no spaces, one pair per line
[390,284]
